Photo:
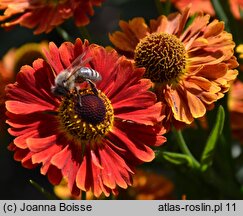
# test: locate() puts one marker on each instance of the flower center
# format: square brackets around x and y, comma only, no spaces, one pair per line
[91,108]
[164,57]
[85,116]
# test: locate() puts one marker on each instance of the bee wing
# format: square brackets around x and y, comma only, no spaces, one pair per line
[77,64]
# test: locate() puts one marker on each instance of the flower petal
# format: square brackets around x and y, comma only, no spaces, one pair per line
[149,116]
[141,152]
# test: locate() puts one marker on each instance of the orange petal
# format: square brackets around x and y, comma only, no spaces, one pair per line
[133,31]
[179,106]
[214,28]
[197,108]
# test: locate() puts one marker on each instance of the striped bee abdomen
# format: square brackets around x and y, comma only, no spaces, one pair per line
[88,73]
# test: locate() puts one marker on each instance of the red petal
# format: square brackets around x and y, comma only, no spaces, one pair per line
[20,141]
[83,173]
[105,63]
[89,176]
[66,52]
[64,161]
[134,96]
[143,135]
[29,88]
[141,152]
[18,107]
[80,47]
[53,58]
[116,171]
[61,158]
[45,155]
[40,144]
[149,116]
[54,175]
[126,75]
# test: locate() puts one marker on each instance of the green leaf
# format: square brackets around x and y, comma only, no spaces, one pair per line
[177,158]
[42,190]
[208,152]
[241,13]
[64,34]
[224,13]
[218,8]
[183,146]
[163,7]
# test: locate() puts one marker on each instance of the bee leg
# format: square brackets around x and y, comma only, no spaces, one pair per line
[79,97]
[93,86]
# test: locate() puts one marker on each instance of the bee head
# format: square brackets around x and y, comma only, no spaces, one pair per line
[59,90]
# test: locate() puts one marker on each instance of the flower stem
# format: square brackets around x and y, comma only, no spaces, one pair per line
[220,12]
[163,8]
[184,148]
[231,191]
[83,196]
[159,6]
[44,192]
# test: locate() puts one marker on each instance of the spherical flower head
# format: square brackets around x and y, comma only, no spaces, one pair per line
[235,104]
[92,135]
[44,15]
[191,67]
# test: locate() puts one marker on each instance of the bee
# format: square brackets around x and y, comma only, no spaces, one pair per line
[68,79]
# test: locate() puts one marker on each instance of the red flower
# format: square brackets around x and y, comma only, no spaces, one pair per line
[46,15]
[97,144]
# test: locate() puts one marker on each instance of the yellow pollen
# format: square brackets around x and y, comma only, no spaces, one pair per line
[85,117]
[164,57]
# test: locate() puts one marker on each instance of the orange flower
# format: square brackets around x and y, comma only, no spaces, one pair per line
[149,186]
[146,185]
[92,137]
[62,191]
[207,7]
[44,15]
[236,6]
[239,49]
[235,103]
[191,67]
[196,6]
